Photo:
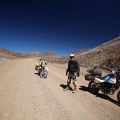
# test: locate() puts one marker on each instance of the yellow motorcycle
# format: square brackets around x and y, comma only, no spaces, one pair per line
[42,69]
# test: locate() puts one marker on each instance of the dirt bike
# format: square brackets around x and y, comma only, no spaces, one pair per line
[107,84]
[42,71]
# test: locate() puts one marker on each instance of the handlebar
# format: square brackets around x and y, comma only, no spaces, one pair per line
[110,69]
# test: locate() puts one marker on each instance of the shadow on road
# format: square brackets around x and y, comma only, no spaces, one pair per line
[37,74]
[64,86]
[83,88]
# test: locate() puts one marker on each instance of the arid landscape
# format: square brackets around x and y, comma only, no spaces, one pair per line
[26,96]
[104,54]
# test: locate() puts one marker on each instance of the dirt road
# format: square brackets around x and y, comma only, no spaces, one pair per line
[26,96]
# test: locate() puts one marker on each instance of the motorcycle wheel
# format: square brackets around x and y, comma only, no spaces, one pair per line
[92,87]
[44,74]
[118,97]
[39,72]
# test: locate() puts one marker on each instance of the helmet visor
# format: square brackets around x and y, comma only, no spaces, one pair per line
[71,57]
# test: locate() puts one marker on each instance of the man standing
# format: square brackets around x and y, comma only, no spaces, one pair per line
[73,70]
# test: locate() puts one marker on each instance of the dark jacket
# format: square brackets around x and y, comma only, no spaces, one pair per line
[73,66]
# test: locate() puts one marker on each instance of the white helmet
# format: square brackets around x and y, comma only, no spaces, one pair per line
[71,55]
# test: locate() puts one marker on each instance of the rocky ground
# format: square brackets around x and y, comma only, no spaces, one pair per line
[26,96]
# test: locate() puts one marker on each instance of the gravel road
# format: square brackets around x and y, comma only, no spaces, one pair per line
[26,96]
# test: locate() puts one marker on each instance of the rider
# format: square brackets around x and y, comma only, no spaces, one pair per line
[74,70]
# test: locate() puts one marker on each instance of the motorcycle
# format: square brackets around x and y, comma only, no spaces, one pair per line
[42,70]
[107,84]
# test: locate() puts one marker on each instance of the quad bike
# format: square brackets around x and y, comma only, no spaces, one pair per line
[107,84]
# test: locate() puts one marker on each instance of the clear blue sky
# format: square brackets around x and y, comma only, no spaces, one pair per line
[60,26]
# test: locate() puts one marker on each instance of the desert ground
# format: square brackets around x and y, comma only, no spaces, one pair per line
[26,96]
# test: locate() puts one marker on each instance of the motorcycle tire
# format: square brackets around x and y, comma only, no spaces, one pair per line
[118,97]
[44,74]
[92,88]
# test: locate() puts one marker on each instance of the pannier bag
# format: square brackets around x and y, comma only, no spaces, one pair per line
[89,77]
[96,72]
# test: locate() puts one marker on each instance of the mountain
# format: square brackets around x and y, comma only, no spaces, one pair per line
[8,54]
[104,54]
[31,54]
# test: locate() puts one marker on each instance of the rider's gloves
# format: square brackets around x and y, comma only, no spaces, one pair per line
[66,73]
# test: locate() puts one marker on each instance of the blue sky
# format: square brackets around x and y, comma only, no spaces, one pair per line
[60,26]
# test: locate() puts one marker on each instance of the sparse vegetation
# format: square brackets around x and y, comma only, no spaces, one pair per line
[102,55]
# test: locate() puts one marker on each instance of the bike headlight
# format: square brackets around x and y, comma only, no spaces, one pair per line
[113,71]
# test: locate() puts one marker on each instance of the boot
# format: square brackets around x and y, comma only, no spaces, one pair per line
[74,90]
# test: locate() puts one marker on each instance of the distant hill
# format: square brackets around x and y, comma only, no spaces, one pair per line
[80,51]
[104,54]
[8,54]
[31,54]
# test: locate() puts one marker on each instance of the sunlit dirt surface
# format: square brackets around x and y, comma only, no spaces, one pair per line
[26,96]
